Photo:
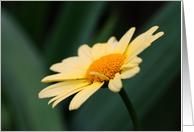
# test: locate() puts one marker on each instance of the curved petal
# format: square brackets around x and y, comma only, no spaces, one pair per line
[83,95]
[77,60]
[115,84]
[58,88]
[141,42]
[135,59]
[100,75]
[85,52]
[64,76]
[124,41]
[59,99]
[66,67]
[128,72]
[156,36]
[99,50]
[133,63]
[111,44]
[71,89]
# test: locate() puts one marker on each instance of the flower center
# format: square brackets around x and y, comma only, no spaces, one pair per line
[107,65]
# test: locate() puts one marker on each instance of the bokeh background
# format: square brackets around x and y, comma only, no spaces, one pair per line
[35,35]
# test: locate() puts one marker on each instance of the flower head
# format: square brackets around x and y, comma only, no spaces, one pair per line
[104,63]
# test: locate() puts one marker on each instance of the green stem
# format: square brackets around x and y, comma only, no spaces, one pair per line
[130,108]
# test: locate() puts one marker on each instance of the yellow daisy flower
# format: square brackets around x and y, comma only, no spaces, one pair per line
[105,64]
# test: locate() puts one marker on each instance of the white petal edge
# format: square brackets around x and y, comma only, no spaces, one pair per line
[83,95]
[115,84]
[111,44]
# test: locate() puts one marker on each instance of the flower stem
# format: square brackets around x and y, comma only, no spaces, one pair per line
[130,108]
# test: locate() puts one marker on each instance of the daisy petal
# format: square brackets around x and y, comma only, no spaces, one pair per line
[59,99]
[83,95]
[85,52]
[60,87]
[138,50]
[64,76]
[65,67]
[111,44]
[134,60]
[141,42]
[115,84]
[124,41]
[77,60]
[71,89]
[156,36]
[99,50]
[128,72]
[132,63]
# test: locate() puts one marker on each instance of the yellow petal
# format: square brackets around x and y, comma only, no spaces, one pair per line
[99,50]
[124,41]
[77,60]
[128,72]
[66,67]
[64,76]
[58,100]
[132,63]
[141,42]
[85,52]
[100,75]
[156,36]
[70,89]
[111,44]
[138,50]
[136,60]
[83,95]
[59,88]
[115,84]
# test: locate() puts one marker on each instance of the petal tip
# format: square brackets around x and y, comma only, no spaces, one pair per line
[44,80]
[39,96]
[156,27]
[53,106]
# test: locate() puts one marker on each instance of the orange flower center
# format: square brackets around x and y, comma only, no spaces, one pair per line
[107,65]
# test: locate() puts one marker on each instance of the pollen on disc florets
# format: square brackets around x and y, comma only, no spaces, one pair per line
[107,65]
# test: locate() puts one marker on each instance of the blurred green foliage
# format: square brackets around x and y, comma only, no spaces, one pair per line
[34,35]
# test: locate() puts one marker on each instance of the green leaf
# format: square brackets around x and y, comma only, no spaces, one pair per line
[22,70]
[32,15]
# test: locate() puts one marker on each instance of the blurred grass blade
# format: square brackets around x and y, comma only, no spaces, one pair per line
[32,17]
[22,70]
[106,31]
[75,25]
[161,62]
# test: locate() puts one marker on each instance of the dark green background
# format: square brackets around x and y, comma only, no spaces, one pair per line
[35,35]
